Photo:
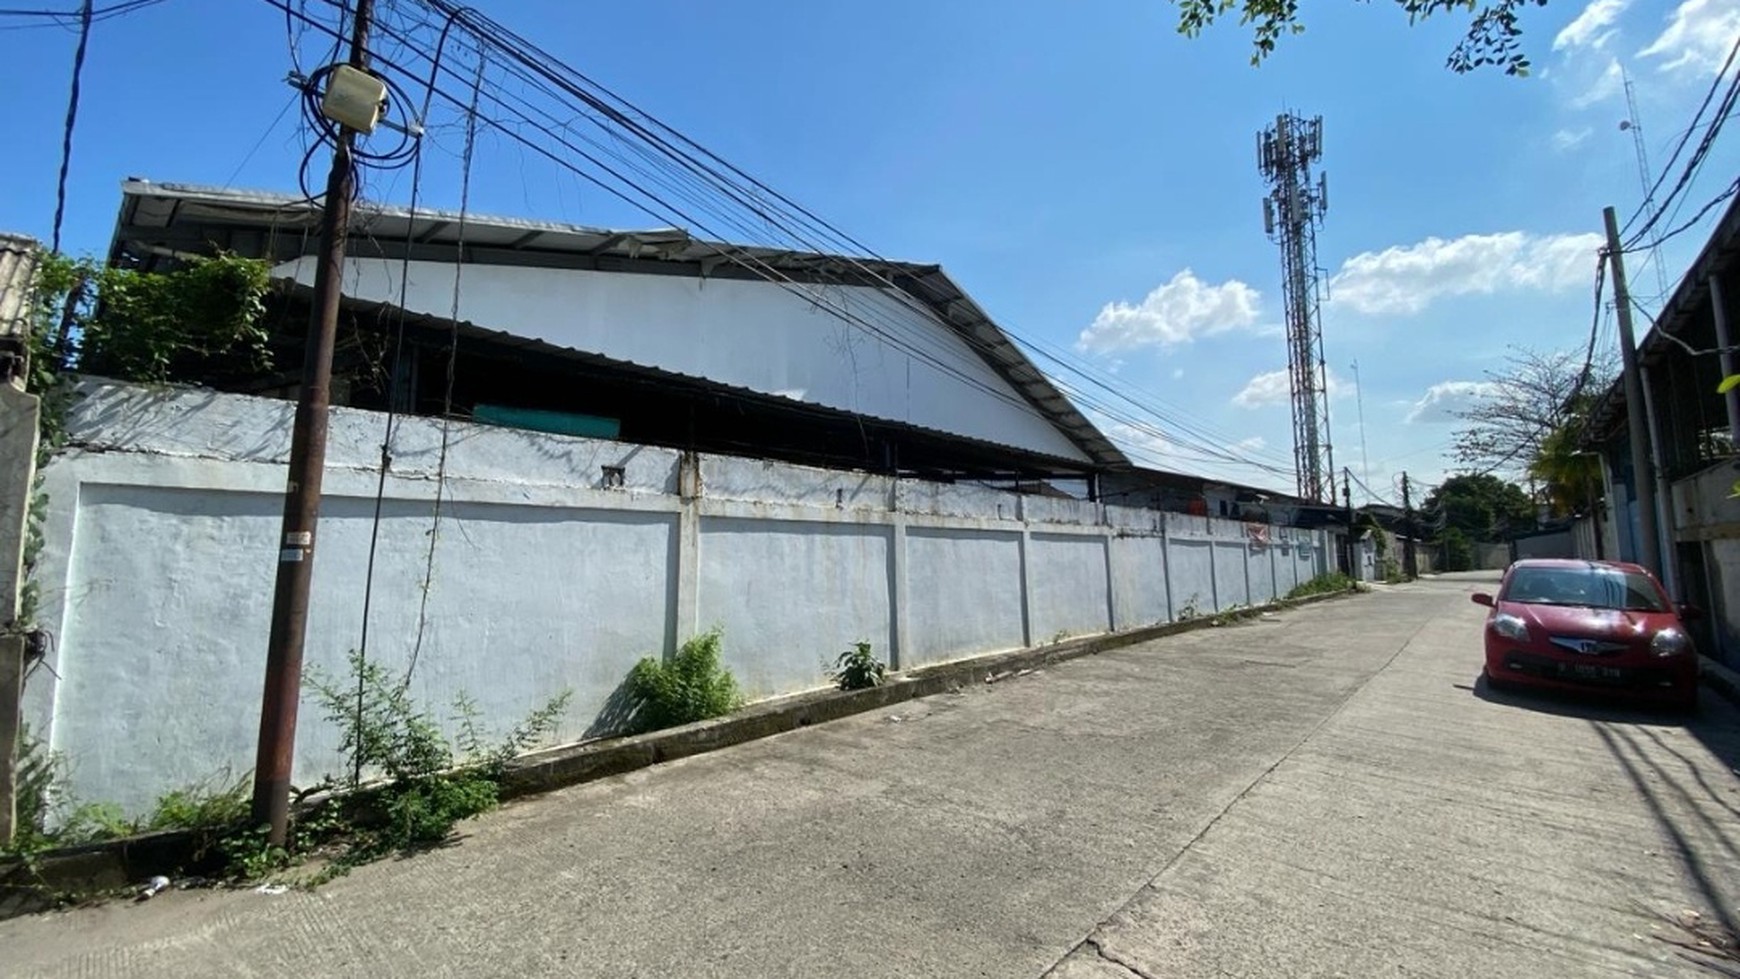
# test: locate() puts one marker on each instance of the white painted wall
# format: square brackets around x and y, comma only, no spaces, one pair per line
[788,340]
[158,568]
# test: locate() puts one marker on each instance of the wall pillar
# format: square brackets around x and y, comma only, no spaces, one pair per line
[1027,637]
[20,414]
[1166,567]
[899,598]
[1113,617]
[687,600]
[1213,571]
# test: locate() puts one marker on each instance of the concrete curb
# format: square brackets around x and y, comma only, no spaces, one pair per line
[556,768]
[97,868]
[1720,678]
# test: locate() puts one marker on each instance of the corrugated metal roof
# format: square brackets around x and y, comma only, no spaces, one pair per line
[17,274]
[164,219]
[1676,316]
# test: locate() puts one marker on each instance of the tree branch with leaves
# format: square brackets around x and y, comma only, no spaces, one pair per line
[1494,37]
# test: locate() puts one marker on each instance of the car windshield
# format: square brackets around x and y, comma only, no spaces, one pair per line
[1591,586]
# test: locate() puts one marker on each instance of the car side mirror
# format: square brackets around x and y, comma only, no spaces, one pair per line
[1482,598]
[1691,613]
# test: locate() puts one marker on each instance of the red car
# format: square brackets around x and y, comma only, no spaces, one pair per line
[1590,625]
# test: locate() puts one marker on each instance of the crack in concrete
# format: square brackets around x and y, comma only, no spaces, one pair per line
[1118,960]
[1261,777]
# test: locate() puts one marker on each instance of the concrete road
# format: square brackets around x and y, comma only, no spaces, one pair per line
[1325,792]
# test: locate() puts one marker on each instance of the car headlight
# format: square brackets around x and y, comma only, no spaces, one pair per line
[1670,642]
[1510,627]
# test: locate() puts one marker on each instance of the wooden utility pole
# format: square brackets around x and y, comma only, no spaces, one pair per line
[1636,411]
[283,691]
[1410,553]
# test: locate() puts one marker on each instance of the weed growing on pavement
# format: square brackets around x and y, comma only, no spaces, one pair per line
[1188,610]
[692,686]
[858,669]
[1324,584]
[430,783]
[427,784]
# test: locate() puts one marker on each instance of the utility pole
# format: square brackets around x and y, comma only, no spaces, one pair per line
[283,690]
[1359,401]
[1636,420]
[1347,502]
[1410,556]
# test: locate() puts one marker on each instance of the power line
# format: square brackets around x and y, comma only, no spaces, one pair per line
[1695,161]
[72,115]
[1684,137]
[687,179]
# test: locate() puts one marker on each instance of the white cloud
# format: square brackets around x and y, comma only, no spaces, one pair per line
[1698,36]
[1274,388]
[1589,29]
[1566,139]
[1442,402]
[1265,389]
[1406,279]
[1605,86]
[1255,443]
[1174,313]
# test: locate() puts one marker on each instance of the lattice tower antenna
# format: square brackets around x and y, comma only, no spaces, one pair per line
[1292,211]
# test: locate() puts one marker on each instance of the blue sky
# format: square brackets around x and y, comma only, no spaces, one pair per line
[1082,170]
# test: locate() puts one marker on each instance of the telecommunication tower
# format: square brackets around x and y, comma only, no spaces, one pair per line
[1292,210]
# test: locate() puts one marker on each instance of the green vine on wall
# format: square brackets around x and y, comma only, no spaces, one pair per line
[202,319]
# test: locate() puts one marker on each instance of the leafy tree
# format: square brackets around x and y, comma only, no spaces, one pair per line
[1479,506]
[1494,36]
[1570,478]
[1458,552]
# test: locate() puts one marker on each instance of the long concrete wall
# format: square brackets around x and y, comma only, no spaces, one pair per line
[548,574]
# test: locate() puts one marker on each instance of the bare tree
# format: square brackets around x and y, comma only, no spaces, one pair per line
[1536,395]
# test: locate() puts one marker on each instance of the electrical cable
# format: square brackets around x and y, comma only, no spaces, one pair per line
[452,365]
[1715,83]
[72,18]
[661,209]
[72,115]
[1702,211]
[1695,161]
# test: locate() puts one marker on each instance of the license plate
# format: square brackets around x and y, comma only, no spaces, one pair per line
[1589,671]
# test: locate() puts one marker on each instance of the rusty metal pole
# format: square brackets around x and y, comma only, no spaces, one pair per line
[283,691]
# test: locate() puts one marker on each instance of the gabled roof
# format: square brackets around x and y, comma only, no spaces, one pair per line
[159,221]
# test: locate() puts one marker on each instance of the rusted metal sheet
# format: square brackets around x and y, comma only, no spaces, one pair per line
[17,269]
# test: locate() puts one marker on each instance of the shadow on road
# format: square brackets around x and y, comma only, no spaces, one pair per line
[1695,806]
[1591,706]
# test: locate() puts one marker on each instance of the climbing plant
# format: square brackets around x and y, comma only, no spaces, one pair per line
[178,325]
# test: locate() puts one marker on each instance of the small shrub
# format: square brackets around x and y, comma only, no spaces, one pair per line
[38,774]
[1188,610]
[692,686]
[1323,584]
[858,669]
[429,785]
[201,806]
